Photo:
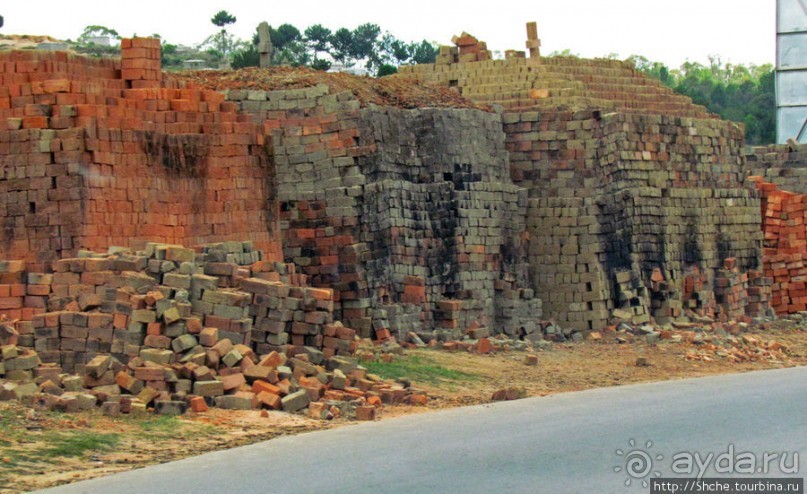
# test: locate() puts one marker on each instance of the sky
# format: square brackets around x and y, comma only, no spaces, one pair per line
[738,31]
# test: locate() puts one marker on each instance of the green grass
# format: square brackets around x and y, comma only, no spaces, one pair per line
[159,424]
[79,442]
[418,369]
[166,427]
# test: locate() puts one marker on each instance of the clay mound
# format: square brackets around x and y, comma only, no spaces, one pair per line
[399,92]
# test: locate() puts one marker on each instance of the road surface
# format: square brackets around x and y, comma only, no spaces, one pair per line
[563,443]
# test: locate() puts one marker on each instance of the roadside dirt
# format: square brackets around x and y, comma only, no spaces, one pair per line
[42,449]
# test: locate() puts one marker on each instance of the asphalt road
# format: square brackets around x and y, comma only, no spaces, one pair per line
[563,443]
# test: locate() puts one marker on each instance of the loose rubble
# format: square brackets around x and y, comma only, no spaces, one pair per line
[172,329]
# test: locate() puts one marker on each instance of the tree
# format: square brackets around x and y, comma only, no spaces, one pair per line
[289,46]
[246,57]
[283,36]
[1,21]
[386,69]
[318,39]
[342,43]
[564,53]
[393,49]
[394,52]
[95,31]
[223,18]
[423,52]
[321,64]
[223,42]
[365,44]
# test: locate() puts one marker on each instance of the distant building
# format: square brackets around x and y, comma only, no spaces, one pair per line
[338,67]
[194,64]
[100,40]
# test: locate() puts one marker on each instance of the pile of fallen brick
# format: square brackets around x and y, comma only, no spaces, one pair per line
[707,339]
[172,327]
[223,375]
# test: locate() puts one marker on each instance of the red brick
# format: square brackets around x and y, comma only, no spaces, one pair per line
[263,386]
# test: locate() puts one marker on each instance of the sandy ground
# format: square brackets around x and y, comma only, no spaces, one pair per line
[41,449]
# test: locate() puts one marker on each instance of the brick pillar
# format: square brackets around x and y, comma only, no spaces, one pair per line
[533,42]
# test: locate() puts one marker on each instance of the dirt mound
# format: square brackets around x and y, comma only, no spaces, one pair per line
[23,41]
[31,38]
[388,91]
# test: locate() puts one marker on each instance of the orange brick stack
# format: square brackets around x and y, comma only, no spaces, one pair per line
[90,162]
[785,246]
[140,62]
[13,290]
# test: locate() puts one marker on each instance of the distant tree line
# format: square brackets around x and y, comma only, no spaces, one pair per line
[319,47]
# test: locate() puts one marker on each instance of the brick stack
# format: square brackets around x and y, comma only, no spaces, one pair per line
[759,293]
[392,210]
[300,316]
[426,220]
[522,84]
[517,310]
[785,246]
[783,165]
[89,163]
[140,62]
[533,42]
[13,290]
[447,55]
[622,176]
[632,299]
[666,304]
[731,291]
[698,297]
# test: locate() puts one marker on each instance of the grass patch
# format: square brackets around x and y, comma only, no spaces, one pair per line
[168,427]
[418,369]
[159,425]
[78,443]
